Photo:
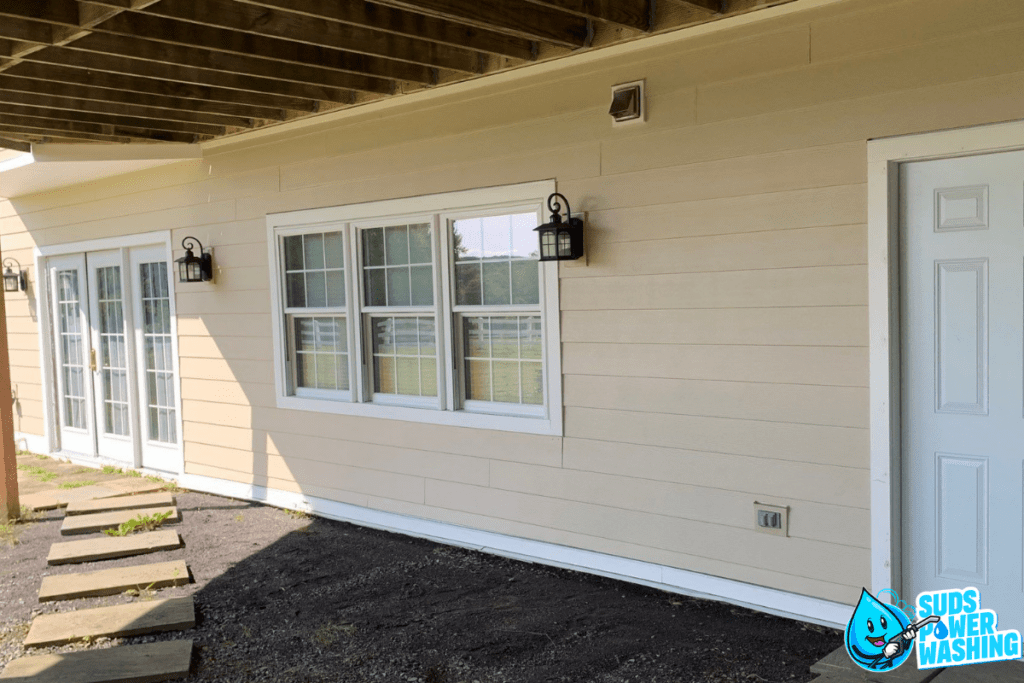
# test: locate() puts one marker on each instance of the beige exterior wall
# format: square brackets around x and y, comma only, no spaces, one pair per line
[715,347]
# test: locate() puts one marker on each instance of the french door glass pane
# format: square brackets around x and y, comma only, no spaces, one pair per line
[72,360]
[503,358]
[113,351]
[157,351]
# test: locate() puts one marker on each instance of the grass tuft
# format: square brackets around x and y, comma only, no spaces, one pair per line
[38,472]
[77,484]
[139,523]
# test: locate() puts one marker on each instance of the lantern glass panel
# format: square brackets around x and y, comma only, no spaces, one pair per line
[11,281]
[564,243]
[547,244]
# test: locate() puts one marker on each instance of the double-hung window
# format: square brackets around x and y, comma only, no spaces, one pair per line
[429,309]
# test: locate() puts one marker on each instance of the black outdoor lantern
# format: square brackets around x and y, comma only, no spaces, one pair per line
[560,241]
[13,281]
[192,268]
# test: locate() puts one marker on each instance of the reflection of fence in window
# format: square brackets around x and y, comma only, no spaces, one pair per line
[321,353]
[503,356]
[404,356]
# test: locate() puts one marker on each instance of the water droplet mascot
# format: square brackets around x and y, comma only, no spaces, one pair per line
[879,637]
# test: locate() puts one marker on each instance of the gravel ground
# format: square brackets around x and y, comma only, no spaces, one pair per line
[285,598]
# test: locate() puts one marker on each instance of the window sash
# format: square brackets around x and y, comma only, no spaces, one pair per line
[293,359]
[450,404]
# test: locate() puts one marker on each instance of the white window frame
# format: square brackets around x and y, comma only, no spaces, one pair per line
[448,409]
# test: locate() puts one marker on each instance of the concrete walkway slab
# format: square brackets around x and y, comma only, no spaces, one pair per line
[113,581]
[110,547]
[133,619]
[137,663]
[144,500]
[88,524]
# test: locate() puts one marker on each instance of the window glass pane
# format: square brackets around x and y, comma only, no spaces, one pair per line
[530,339]
[397,245]
[524,239]
[503,358]
[478,340]
[398,287]
[467,239]
[320,358]
[327,334]
[326,377]
[467,284]
[296,286]
[497,236]
[421,281]
[376,291]
[496,284]
[314,251]
[478,380]
[293,253]
[373,246]
[533,386]
[406,339]
[525,282]
[419,244]
[159,362]
[505,376]
[333,251]
[401,347]
[335,288]
[316,289]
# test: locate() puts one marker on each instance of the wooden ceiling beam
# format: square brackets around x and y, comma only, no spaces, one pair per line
[28,123]
[302,96]
[21,91]
[64,12]
[712,5]
[7,109]
[259,75]
[151,86]
[309,30]
[28,31]
[634,14]
[15,145]
[395,21]
[532,22]
[200,111]
[186,34]
[45,133]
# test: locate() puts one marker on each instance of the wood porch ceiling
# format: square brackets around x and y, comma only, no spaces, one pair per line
[195,70]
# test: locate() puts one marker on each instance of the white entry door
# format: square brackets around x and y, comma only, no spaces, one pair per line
[115,357]
[962,227]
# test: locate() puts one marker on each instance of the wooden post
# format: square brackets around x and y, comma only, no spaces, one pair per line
[10,506]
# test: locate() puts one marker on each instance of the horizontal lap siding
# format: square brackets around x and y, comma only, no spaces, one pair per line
[714,343]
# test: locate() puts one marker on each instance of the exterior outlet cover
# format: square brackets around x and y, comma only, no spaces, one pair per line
[771,519]
[629,105]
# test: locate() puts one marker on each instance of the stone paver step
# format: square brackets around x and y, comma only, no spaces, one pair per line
[837,667]
[113,581]
[992,672]
[145,500]
[87,524]
[110,547]
[147,663]
[57,498]
[132,619]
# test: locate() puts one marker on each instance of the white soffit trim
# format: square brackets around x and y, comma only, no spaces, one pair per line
[53,166]
[781,603]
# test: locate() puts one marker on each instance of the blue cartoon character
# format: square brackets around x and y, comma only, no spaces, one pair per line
[879,636]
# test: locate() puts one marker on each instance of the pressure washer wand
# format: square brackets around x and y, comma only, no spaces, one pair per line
[899,643]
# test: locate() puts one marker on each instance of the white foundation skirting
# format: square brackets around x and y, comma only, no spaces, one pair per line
[782,603]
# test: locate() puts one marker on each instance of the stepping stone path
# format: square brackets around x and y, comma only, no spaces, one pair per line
[98,521]
[92,509]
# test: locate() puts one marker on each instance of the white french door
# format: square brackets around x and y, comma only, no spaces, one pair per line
[115,358]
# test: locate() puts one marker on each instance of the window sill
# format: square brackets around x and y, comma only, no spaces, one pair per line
[459,418]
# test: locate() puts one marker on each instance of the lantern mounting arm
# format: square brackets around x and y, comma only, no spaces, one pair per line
[194,242]
[556,209]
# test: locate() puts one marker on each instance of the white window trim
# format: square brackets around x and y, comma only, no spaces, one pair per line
[447,204]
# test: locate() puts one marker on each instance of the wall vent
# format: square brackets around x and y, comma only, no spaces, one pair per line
[629,105]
